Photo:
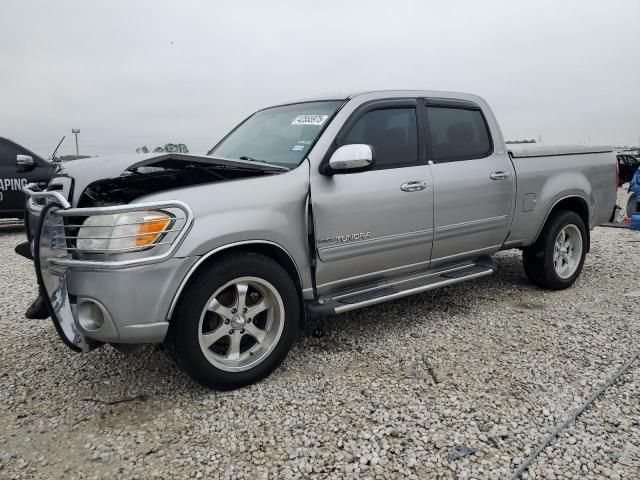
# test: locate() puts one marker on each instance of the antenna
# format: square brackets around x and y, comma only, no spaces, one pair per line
[53,155]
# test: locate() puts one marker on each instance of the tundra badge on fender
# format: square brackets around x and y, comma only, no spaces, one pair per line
[347,238]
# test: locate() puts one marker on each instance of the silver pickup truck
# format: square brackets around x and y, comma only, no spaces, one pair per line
[304,210]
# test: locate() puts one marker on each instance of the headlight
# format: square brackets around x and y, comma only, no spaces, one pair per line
[122,231]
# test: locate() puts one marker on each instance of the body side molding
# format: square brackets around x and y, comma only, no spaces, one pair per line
[372,245]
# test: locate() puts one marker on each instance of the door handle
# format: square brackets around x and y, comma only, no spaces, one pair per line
[499,175]
[414,186]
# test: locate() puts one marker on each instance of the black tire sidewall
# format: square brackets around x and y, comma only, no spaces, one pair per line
[186,320]
[558,222]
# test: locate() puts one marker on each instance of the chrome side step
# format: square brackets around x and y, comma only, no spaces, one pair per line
[402,288]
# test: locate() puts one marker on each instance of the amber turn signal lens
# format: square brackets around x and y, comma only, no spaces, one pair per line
[151,229]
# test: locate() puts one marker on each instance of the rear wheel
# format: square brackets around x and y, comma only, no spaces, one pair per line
[237,321]
[555,260]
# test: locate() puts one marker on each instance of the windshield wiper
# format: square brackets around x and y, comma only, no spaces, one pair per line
[251,159]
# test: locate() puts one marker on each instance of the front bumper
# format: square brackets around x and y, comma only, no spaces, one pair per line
[126,305]
[121,298]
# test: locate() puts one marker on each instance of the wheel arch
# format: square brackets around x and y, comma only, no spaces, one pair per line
[572,203]
[265,247]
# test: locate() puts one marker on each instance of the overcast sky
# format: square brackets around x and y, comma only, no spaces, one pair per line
[131,73]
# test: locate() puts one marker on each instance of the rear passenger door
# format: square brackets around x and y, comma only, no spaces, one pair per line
[473,181]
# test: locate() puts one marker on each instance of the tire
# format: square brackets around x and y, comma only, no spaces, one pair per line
[204,313]
[540,260]
[632,205]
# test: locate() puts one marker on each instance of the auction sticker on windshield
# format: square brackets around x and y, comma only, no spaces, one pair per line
[309,119]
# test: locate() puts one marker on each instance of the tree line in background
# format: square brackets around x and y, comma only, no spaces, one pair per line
[168,148]
[521,141]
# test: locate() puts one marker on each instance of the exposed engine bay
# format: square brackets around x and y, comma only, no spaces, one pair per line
[165,174]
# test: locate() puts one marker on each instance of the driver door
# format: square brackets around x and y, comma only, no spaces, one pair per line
[377,223]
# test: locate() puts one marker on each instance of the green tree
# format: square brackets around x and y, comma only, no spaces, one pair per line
[171,148]
[168,148]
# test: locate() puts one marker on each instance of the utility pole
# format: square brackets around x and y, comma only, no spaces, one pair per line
[76,131]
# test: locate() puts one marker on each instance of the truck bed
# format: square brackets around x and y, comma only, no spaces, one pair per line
[584,171]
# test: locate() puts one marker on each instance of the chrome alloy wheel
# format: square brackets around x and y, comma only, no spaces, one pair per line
[241,324]
[567,251]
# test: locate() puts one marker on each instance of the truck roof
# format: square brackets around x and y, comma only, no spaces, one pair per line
[384,93]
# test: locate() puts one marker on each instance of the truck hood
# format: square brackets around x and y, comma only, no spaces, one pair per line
[91,170]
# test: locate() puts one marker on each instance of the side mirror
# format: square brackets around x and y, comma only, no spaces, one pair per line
[25,163]
[350,158]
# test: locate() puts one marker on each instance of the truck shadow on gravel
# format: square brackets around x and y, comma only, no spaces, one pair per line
[154,373]
[460,299]
[10,227]
[130,374]
[440,305]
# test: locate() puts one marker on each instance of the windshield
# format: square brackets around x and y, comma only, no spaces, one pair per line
[278,135]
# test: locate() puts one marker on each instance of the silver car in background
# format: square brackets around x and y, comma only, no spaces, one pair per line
[304,210]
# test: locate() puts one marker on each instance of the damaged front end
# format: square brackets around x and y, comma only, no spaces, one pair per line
[112,229]
[168,172]
[60,247]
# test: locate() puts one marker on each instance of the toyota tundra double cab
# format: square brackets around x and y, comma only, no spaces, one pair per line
[303,210]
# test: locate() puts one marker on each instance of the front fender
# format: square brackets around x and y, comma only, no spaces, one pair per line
[283,229]
[270,208]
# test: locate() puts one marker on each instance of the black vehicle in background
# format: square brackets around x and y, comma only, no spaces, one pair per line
[627,166]
[19,166]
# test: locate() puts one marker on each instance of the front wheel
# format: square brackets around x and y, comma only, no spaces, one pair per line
[555,260]
[237,321]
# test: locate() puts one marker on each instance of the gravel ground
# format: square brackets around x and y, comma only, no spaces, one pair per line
[459,383]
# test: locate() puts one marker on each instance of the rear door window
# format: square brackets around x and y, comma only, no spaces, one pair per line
[457,134]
